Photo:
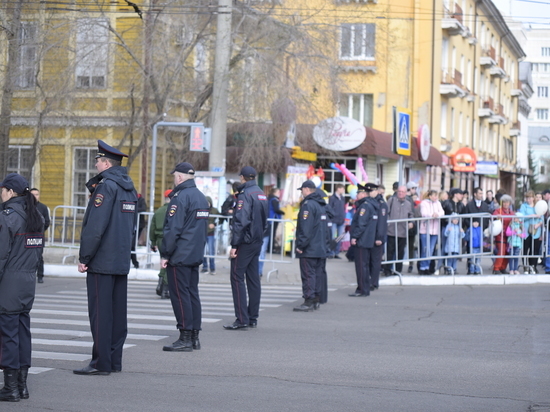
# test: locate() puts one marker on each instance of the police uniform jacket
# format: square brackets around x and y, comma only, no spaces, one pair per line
[311,230]
[185,226]
[364,223]
[19,255]
[109,223]
[382,225]
[250,215]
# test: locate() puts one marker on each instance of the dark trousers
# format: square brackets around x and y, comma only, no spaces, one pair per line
[531,247]
[15,341]
[401,243]
[40,268]
[376,255]
[362,270]
[107,309]
[321,284]
[246,264]
[311,273]
[183,284]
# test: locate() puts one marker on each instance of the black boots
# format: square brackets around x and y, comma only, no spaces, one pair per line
[305,307]
[195,339]
[10,391]
[22,383]
[183,344]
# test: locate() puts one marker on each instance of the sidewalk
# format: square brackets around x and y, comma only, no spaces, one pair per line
[340,273]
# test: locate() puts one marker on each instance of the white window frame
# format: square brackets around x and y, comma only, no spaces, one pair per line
[358,41]
[17,153]
[542,91]
[92,53]
[80,192]
[542,114]
[352,100]
[26,65]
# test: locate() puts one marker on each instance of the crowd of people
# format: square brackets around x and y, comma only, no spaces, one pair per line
[433,238]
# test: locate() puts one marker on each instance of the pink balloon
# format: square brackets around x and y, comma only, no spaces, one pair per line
[362,169]
[351,178]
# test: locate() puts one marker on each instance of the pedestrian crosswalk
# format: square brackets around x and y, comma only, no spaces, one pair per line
[61,331]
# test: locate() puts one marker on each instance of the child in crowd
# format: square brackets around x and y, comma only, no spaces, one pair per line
[515,234]
[454,234]
[475,240]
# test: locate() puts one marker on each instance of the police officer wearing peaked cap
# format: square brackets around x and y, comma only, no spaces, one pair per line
[362,235]
[377,252]
[248,226]
[105,245]
[182,251]
[311,245]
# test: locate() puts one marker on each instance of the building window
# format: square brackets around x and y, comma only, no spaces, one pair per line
[26,64]
[545,51]
[542,170]
[357,106]
[84,170]
[92,49]
[542,91]
[542,114]
[357,41]
[19,161]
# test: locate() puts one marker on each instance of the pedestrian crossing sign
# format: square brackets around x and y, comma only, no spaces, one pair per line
[402,131]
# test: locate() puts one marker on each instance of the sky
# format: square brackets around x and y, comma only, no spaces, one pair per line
[533,12]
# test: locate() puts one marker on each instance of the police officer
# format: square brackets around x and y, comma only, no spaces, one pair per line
[311,244]
[43,209]
[377,252]
[105,243]
[248,227]
[182,252]
[363,237]
[21,245]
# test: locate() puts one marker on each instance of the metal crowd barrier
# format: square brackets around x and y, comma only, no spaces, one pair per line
[66,226]
[490,246]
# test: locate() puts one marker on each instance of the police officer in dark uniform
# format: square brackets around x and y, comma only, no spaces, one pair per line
[311,244]
[21,245]
[105,244]
[248,227]
[377,252]
[363,237]
[182,252]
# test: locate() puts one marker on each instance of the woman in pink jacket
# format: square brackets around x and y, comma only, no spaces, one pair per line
[429,229]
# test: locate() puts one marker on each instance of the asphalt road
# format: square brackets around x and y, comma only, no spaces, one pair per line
[413,348]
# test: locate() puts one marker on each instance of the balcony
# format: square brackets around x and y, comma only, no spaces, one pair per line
[451,86]
[488,57]
[517,89]
[488,107]
[498,71]
[515,130]
[452,22]
[498,116]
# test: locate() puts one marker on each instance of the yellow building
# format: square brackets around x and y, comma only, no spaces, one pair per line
[100,70]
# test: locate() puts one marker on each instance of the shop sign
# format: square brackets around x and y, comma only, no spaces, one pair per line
[486,168]
[423,142]
[464,160]
[298,153]
[339,134]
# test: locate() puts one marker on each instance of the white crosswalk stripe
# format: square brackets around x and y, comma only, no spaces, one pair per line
[61,330]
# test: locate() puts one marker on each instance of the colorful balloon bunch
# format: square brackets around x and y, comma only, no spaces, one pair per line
[352,188]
